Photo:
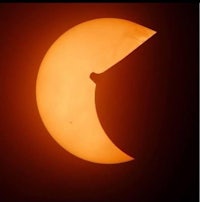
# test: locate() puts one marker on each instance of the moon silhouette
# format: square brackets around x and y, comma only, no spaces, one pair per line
[65,93]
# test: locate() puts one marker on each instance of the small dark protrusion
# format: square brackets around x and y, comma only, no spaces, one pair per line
[95,77]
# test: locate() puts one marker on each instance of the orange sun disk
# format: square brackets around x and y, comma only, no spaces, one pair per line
[65,92]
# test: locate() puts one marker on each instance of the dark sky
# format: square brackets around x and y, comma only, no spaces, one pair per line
[147,104]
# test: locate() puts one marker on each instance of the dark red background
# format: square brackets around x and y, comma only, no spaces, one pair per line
[147,104]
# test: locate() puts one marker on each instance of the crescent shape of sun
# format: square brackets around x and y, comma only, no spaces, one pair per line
[65,93]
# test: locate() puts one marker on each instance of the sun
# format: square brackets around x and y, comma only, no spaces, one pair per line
[66,94]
